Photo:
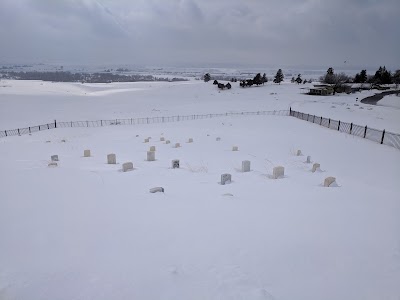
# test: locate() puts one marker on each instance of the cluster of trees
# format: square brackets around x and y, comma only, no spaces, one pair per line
[82,77]
[222,86]
[382,76]
[299,80]
[257,80]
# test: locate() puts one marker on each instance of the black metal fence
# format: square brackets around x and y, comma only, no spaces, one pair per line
[379,136]
[134,121]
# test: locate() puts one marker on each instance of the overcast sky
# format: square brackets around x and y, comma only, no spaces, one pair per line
[196,32]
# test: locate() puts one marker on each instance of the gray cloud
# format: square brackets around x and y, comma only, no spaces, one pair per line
[276,32]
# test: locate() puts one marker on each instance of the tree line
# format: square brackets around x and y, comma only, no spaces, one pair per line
[61,76]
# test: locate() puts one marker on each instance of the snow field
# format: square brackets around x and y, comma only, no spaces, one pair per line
[87,230]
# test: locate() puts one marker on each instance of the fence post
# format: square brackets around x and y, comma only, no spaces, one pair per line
[48,126]
[39,127]
[365,131]
[351,127]
[290,110]
[101,122]
[87,123]
[29,129]
[320,123]
[55,123]
[383,136]
[313,120]
[71,124]
[18,131]
[329,123]
[338,128]
[5,131]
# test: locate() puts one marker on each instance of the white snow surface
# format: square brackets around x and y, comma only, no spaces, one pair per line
[86,230]
[391,101]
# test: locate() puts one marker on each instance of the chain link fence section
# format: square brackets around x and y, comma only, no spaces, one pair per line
[392,139]
[136,121]
[376,135]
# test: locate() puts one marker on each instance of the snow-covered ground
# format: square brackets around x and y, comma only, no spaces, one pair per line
[86,230]
[391,101]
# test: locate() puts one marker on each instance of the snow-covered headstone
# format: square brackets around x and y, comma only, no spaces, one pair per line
[308,160]
[151,156]
[152,148]
[162,139]
[177,145]
[218,139]
[157,190]
[316,167]
[190,140]
[329,181]
[245,166]
[278,172]
[146,140]
[167,141]
[235,148]
[175,164]
[128,166]
[299,153]
[226,179]
[86,153]
[54,158]
[111,159]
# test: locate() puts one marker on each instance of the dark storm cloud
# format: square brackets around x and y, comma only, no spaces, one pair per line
[287,32]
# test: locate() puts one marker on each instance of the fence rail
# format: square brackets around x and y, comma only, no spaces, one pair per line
[134,121]
[380,136]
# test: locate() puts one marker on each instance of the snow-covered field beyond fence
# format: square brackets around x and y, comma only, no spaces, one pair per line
[86,230]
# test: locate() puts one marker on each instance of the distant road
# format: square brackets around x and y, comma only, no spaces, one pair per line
[375,98]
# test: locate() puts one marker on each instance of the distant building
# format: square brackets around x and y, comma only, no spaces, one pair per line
[321,90]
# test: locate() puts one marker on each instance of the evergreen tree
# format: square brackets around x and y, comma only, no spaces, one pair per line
[298,79]
[279,76]
[330,76]
[382,76]
[207,77]
[257,79]
[264,78]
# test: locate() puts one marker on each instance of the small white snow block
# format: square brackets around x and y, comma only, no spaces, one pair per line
[167,141]
[316,167]
[111,159]
[86,153]
[218,139]
[329,181]
[146,140]
[152,148]
[190,140]
[308,160]
[54,158]
[53,164]
[162,139]
[177,145]
[299,153]
[226,179]
[151,156]
[128,166]
[245,166]
[278,172]
[235,148]
[175,164]
[157,190]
